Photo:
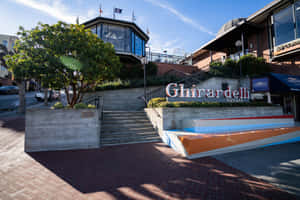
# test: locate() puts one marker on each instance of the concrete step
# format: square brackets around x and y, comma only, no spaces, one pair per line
[126,127]
[127,121]
[127,130]
[113,142]
[128,134]
[120,117]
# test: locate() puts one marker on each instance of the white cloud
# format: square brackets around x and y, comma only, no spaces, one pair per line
[182,17]
[174,46]
[54,8]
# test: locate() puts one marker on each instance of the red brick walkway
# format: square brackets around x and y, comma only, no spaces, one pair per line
[142,171]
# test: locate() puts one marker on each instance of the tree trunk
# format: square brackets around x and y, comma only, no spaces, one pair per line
[46,96]
[22,99]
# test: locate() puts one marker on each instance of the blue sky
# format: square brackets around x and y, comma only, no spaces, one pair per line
[175,25]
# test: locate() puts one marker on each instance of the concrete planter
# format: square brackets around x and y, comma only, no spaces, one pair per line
[63,129]
[176,118]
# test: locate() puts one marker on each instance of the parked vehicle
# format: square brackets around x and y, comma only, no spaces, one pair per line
[9,89]
[52,95]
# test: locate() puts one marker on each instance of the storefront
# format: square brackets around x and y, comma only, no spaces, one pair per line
[280,89]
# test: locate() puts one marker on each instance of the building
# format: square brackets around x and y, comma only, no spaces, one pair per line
[128,39]
[8,41]
[273,33]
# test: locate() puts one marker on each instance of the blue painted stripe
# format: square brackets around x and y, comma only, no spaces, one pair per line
[234,128]
[296,139]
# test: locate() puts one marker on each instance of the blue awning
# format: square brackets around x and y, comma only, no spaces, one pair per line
[290,82]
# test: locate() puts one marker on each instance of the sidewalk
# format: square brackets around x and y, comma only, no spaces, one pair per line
[141,171]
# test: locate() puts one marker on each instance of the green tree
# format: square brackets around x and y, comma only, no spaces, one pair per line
[64,55]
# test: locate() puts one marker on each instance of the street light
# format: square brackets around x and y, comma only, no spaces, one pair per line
[239,45]
[144,61]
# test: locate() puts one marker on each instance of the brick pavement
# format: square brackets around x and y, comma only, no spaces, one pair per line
[140,171]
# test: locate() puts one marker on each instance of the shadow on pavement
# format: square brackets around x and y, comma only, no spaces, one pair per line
[153,171]
[14,123]
[279,165]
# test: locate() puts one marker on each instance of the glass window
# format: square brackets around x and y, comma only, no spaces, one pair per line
[99,30]
[284,26]
[5,43]
[94,29]
[297,17]
[118,36]
[138,46]
[132,42]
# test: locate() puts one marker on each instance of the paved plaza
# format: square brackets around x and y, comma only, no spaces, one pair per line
[139,171]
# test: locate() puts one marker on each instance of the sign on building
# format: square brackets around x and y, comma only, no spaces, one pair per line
[177,92]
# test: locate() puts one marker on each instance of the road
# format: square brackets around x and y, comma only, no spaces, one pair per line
[10,102]
[278,165]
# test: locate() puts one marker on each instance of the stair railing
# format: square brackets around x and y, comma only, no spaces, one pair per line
[98,102]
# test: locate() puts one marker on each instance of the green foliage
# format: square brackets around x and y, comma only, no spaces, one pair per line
[63,55]
[216,64]
[252,65]
[155,101]
[136,71]
[58,105]
[151,69]
[90,106]
[80,106]
[135,83]
[159,102]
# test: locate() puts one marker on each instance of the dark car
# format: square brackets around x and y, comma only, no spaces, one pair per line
[9,89]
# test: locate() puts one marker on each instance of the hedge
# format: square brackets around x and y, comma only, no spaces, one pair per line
[162,103]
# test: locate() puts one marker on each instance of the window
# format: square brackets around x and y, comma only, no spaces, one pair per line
[138,46]
[118,36]
[297,17]
[94,29]
[5,43]
[99,31]
[284,26]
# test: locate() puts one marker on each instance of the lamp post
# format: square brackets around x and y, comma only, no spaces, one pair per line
[144,62]
[239,44]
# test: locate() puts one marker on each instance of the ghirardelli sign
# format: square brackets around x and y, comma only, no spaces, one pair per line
[177,92]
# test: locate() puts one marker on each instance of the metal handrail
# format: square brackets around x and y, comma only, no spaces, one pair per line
[98,101]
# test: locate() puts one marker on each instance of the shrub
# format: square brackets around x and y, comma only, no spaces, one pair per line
[151,69]
[252,65]
[80,106]
[58,105]
[90,106]
[153,102]
[161,102]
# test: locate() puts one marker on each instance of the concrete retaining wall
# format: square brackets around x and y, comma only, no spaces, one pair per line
[173,118]
[123,99]
[47,130]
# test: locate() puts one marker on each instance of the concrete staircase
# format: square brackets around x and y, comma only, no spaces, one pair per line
[126,127]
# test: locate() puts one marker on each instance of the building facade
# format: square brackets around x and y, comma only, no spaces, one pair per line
[273,32]
[8,41]
[128,39]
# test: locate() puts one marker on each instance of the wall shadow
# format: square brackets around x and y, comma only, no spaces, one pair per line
[16,123]
[154,171]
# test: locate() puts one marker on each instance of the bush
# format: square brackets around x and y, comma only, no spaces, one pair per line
[153,102]
[90,106]
[161,102]
[58,105]
[253,66]
[151,69]
[135,83]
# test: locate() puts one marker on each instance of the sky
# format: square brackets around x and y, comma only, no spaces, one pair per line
[175,26]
